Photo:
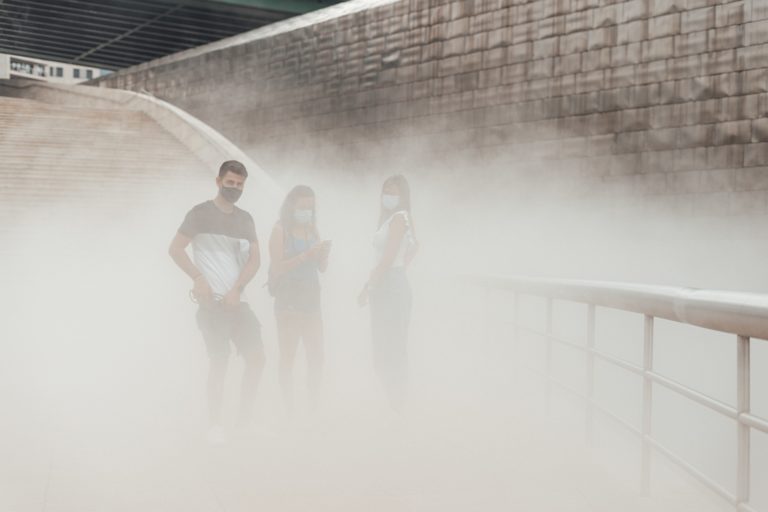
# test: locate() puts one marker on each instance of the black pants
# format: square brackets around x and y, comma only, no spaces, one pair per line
[390,302]
[220,325]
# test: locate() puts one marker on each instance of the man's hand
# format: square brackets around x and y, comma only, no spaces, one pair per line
[202,290]
[232,298]
[325,249]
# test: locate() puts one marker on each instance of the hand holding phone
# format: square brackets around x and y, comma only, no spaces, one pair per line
[326,248]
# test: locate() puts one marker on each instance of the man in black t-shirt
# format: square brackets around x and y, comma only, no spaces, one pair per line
[226,257]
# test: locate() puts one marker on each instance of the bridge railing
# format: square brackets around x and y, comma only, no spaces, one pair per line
[743,315]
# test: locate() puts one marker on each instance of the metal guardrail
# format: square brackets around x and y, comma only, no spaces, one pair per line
[745,315]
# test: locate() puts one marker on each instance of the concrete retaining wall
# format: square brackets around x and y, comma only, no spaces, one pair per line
[662,103]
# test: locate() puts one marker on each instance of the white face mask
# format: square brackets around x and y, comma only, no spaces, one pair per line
[390,202]
[302,216]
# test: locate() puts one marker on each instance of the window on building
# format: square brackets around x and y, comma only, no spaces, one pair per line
[60,72]
[76,73]
[88,74]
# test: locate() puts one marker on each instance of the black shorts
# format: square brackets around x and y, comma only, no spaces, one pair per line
[298,296]
[220,324]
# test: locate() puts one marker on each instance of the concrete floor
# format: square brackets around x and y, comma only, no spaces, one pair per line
[473,438]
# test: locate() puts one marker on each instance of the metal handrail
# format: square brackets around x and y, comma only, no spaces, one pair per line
[744,315]
[733,312]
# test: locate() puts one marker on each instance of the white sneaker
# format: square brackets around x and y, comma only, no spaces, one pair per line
[216,435]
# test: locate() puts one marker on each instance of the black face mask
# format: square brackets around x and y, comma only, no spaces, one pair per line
[231,194]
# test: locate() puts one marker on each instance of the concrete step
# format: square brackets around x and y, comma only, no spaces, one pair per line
[107,165]
[24,105]
[96,159]
[43,178]
[65,129]
[74,154]
[52,139]
[63,160]
[95,118]
[32,130]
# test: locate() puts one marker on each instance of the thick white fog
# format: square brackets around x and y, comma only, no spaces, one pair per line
[102,371]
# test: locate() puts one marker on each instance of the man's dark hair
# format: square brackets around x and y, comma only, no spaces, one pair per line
[232,166]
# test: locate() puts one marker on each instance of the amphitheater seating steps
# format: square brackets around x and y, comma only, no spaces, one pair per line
[58,159]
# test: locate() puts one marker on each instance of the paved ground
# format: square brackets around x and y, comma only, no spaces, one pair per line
[120,430]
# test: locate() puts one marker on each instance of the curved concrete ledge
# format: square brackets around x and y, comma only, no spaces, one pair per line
[208,145]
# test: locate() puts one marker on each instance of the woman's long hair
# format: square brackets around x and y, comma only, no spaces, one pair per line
[405,199]
[289,205]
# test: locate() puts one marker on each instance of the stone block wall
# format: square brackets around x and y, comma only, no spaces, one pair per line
[655,103]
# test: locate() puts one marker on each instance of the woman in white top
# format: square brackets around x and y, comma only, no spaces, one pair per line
[388,290]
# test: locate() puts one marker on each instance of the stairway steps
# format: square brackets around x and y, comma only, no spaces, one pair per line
[61,160]
[32,129]
[129,139]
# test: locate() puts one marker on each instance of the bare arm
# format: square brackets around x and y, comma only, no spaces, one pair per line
[324,248]
[178,252]
[322,263]
[411,253]
[278,263]
[397,229]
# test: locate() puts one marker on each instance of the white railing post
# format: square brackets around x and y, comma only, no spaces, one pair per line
[647,402]
[743,407]
[517,344]
[486,314]
[701,308]
[549,333]
[517,351]
[590,373]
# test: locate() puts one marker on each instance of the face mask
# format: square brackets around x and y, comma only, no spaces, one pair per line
[390,202]
[302,216]
[231,194]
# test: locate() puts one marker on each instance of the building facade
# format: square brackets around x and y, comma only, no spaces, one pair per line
[13,66]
